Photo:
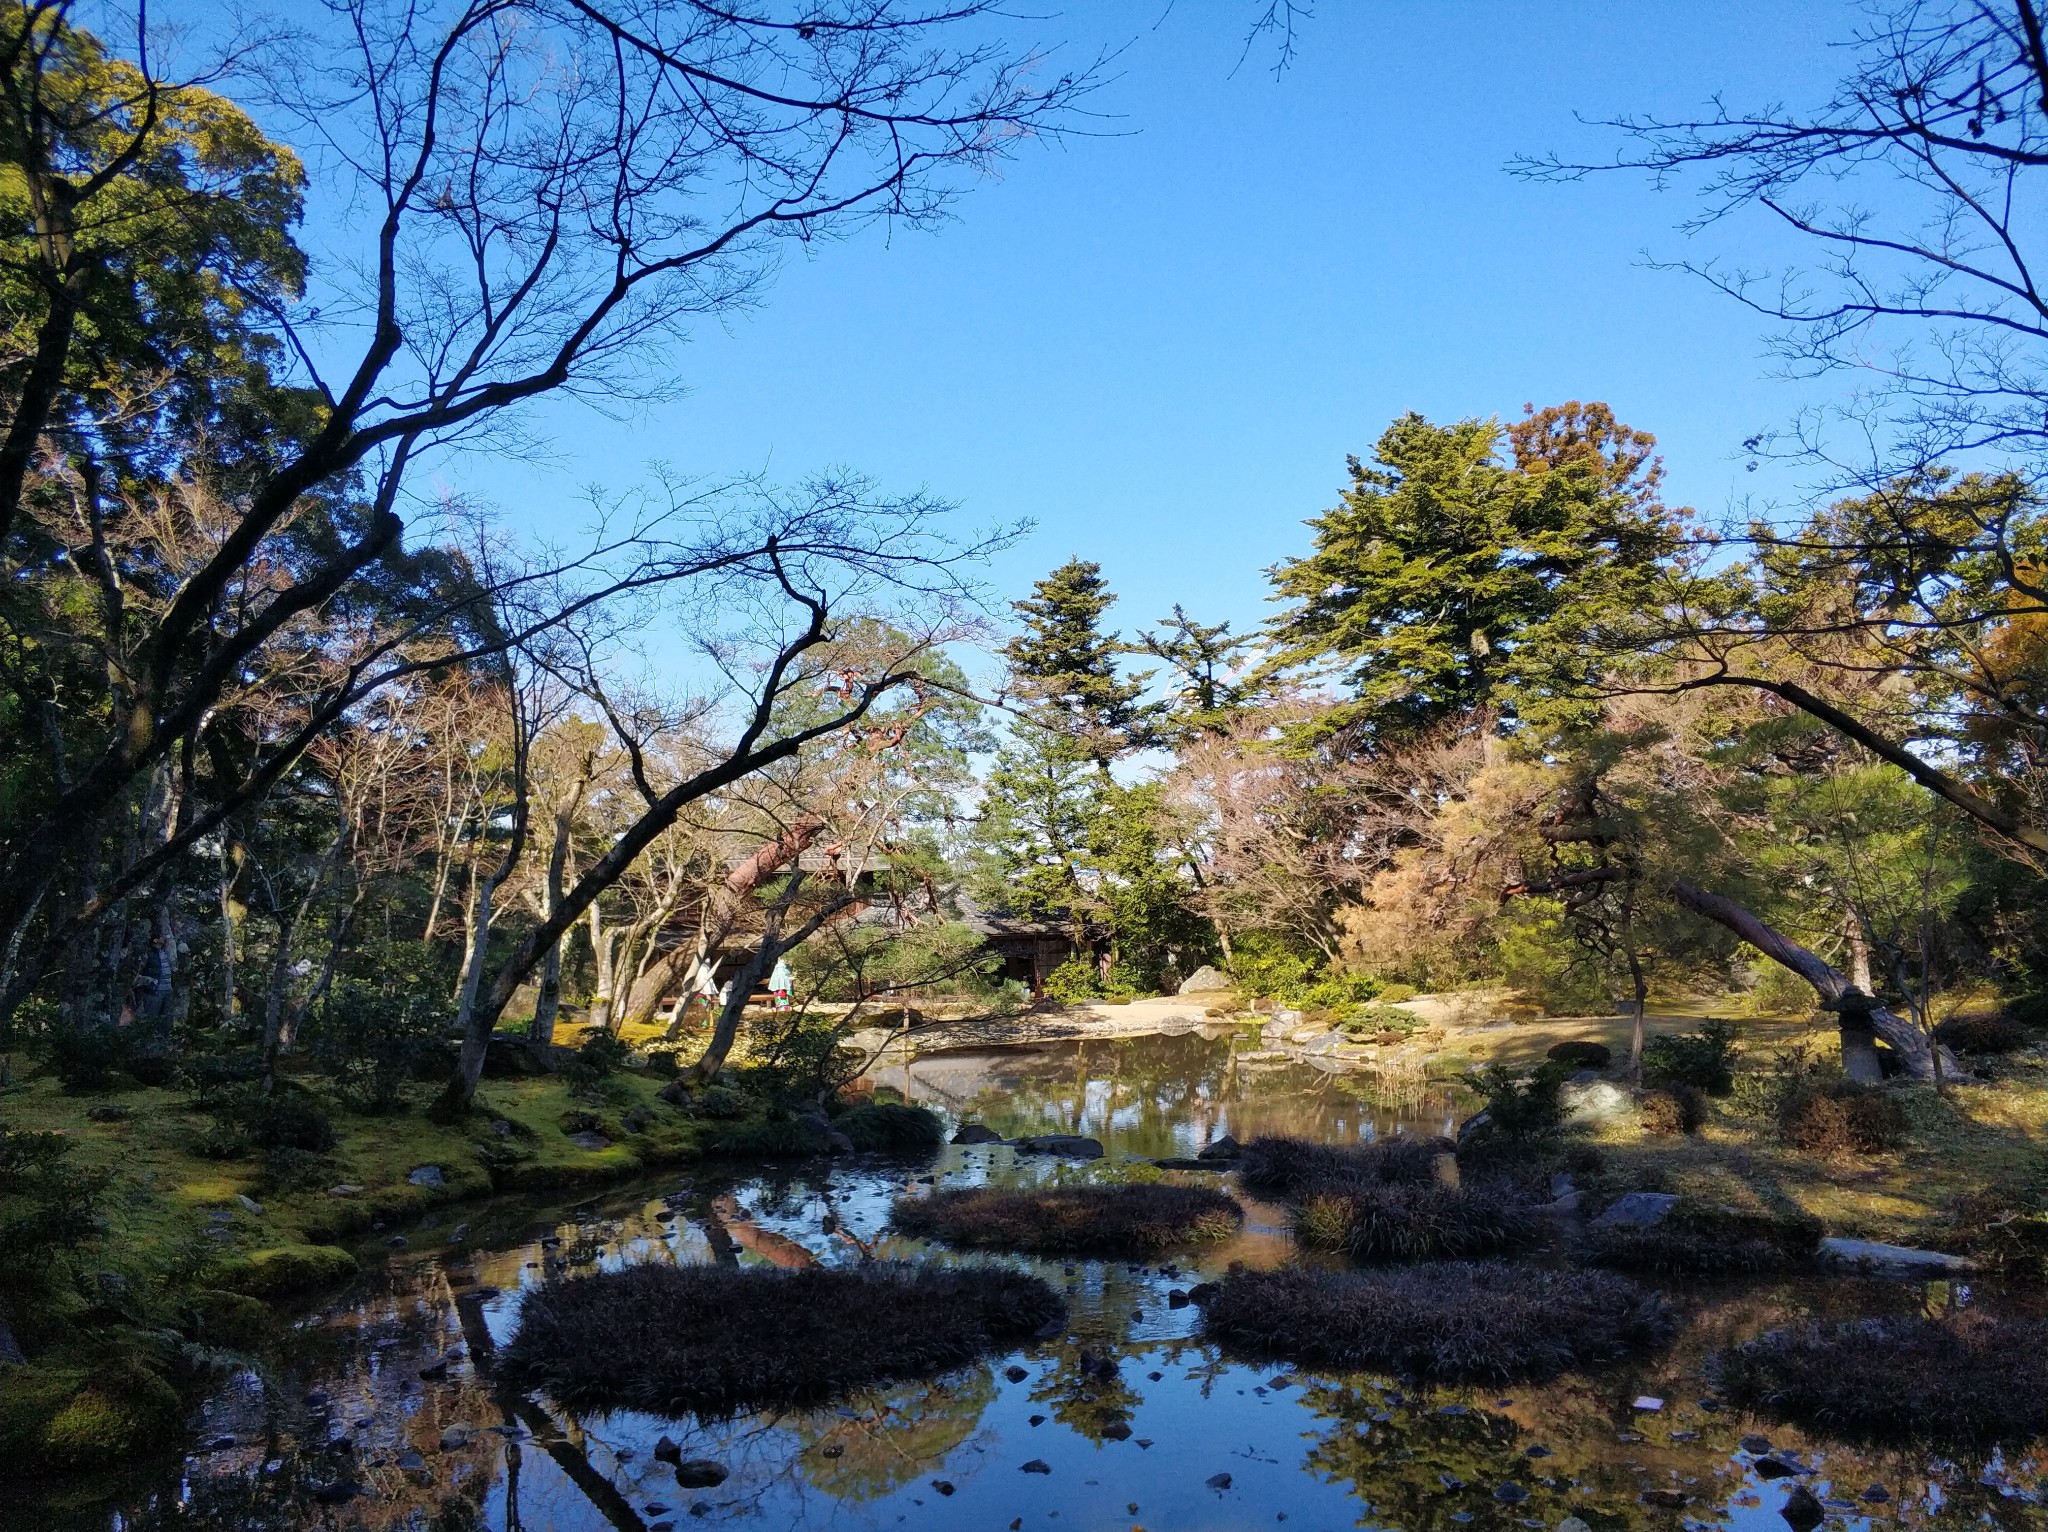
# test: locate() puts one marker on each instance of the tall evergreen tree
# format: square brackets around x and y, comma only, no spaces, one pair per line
[1064,665]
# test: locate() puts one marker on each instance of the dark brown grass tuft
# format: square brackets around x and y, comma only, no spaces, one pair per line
[1407,1221]
[1073,1219]
[720,1339]
[1842,1119]
[1708,1241]
[1971,1382]
[1454,1321]
[1284,1166]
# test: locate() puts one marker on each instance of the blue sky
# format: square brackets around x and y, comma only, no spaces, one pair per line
[1161,342]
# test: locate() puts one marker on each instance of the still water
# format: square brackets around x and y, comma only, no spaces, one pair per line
[1128,1420]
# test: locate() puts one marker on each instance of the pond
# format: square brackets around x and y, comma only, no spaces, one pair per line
[1125,1420]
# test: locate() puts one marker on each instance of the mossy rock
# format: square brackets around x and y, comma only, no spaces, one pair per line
[886,1128]
[218,1318]
[286,1269]
[65,1418]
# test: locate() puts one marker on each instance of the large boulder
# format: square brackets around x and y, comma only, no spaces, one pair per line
[977,1133]
[1593,1101]
[1205,981]
[1637,1210]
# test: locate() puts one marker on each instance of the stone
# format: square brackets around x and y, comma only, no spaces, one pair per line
[1177,1298]
[1637,1210]
[1218,1481]
[1773,1468]
[837,1142]
[977,1133]
[11,1354]
[1224,1148]
[1510,1493]
[1649,1402]
[1038,1465]
[1015,1373]
[455,1438]
[1756,1444]
[435,1371]
[1071,1145]
[1536,1450]
[1450,1481]
[346,1190]
[108,1111]
[1891,1260]
[1667,1499]
[1802,1509]
[398,1242]
[336,1491]
[1562,1184]
[700,1473]
[1205,981]
[1877,1494]
[1116,1431]
[590,1141]
[1594,1101]
[943,1486]
[1573,1524]
[426,1175]
[249,1205]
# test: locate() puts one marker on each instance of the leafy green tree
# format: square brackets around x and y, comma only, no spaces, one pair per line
[1450,579]
[1212,677]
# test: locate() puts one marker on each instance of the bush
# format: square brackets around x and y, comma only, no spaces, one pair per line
[1839,1118]
[1264,963]
[47,1204]
[1139,1218]
[1381,1021]
[774,1139]
[85,1058]
[1973,1381]
[1988,1033]
[722,1101]
[371,1042]
[284,1118]
[154,1070]
[885,1128]
[1407,1221]
[1451,1321]
[1285,1166]
[691,1338]
[599,1058]
[1705,1059]
[1708,1240]
[1521,1105]
[1681,1109]
[1580,1054]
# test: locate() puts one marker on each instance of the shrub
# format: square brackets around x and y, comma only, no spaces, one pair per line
[1581,1054]
[1681,1109]
[599,1058]
[1450,1321]
[85,1058]
[1284,1166]
[1394,994]
[1704,1059]
[283,1118]
[772,1139]
[1988,1033]
[887,1128]
[1521,1105]
[1380,1020]
[1266,963]
[1972,1381]
[1842,1118]
[154,1070]
[1708,1240]
[1074,981]
[1138,1218]
[371,1042]
[691,1338]
[47,1204]
[722,1101]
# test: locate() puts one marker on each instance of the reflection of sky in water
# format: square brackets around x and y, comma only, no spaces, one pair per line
[1130,1412]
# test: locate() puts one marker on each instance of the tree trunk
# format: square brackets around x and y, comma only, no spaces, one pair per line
[1854,1005]
[1641,989]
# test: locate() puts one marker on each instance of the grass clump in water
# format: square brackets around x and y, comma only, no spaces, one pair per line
[1410,1221]
[1709,1240]
[721,1339]
[1455,1321]
[1974,1381]
[1284,1166]
[1073,1219]
[883,1127]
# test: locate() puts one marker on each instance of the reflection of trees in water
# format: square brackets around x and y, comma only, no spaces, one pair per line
[882,1440]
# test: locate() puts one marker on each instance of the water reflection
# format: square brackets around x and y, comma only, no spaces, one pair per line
[385,1415]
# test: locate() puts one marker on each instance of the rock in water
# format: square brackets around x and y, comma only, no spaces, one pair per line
[1224,1148]
[1038,1465]
[1071,1145]
[977,1133]
[1218,1481]
[700,1473]
[1802,1509]
[667,1451]
[1204,981]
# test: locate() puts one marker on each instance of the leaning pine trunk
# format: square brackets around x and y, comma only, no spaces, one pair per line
[1859,1012]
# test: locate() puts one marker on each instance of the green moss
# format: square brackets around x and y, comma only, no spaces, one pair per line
[235,1320]
[883,1128]
[59,1418]
[286,1269]
[770,1139]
